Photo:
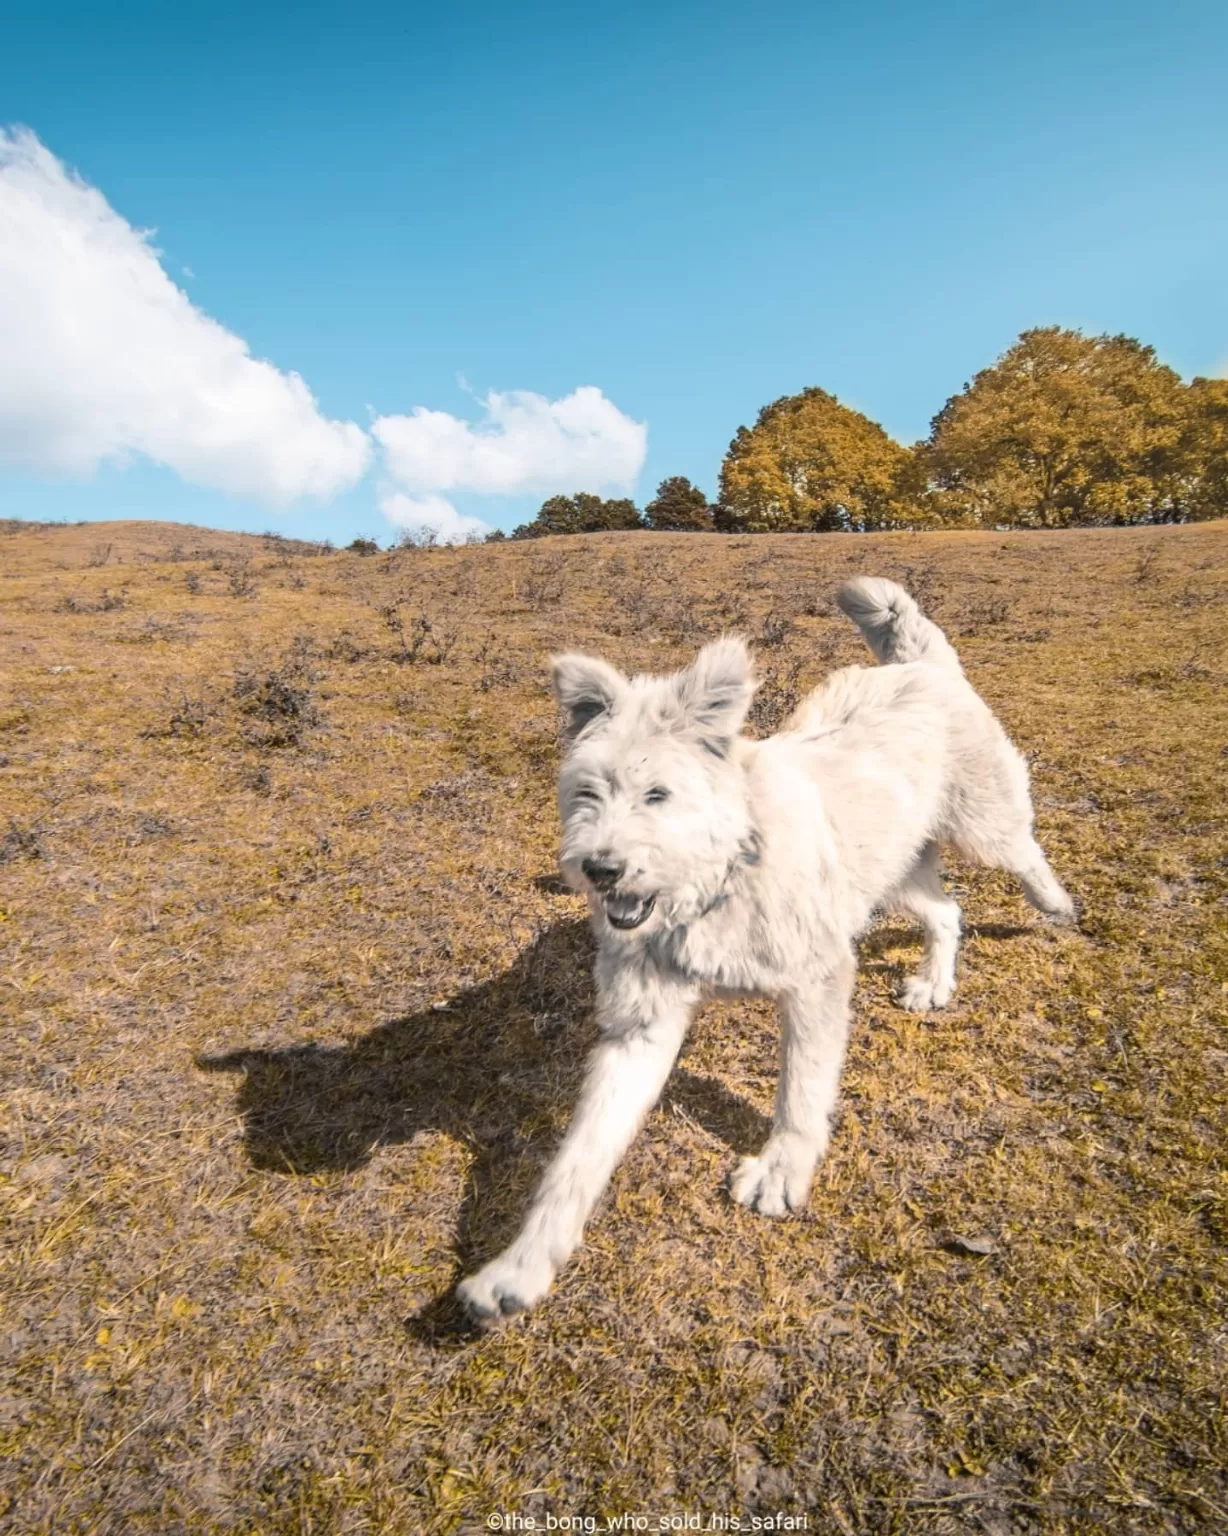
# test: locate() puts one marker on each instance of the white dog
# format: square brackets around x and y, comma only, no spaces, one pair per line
[717,865]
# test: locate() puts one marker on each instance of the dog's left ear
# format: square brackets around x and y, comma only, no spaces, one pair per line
[715,691]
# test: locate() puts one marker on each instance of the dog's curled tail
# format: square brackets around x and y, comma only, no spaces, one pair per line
[893,626]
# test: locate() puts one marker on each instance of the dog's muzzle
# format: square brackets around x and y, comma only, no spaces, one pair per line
[625,909]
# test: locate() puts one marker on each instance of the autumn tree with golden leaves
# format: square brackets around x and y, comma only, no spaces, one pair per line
[810,464]
[1205,445]
[1070,430]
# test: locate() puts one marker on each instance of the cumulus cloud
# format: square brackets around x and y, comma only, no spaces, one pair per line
[102,357]
[523,443]
[436,514]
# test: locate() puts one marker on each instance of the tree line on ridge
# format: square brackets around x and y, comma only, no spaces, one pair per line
[1062,431]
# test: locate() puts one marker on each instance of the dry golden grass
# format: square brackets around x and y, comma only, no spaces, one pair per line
[294,1012]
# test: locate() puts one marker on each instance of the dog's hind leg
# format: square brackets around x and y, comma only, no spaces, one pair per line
[921,895]
[1026,860]
[993,825]
[816,1024]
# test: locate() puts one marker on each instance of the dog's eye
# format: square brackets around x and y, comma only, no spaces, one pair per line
[586,797]
[657,795]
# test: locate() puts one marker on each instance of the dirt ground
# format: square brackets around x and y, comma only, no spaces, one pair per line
[294,1010]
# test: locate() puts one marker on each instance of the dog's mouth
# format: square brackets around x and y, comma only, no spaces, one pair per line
[626,909]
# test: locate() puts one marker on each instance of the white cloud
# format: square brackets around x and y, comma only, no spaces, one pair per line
[524,442]
[418,514]
[102,357]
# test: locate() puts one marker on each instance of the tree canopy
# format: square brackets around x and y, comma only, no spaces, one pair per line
[1066,429]
[812,464]
[679,505]
[1205,446]
[581,513]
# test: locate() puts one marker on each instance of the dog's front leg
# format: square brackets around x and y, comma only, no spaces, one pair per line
[626,1074]
[815,1018]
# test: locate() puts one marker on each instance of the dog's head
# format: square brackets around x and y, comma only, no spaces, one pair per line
[651,792]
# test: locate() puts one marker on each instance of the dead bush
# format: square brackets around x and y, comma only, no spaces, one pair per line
[108,602]
[21,842]
[279,703]
[344,647]
[424,639]
[239,579]
[920,581]
[775,630]
[985,613]
[777,696]
[499,669]
[257,778]
[418,538]
[542,585]
[1145,567]
[733,612]
[188,719]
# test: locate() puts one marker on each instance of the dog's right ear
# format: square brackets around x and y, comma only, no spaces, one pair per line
[714,693]
[586,687]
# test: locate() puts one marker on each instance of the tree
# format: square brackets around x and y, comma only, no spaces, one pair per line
[581,513]
[679,506]
[812,464]
[1064,429]
[1205,445]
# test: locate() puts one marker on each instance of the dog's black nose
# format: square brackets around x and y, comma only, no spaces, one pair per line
[603,871]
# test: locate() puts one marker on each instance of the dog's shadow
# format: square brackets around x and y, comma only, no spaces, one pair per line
[875,948]
[493,1068]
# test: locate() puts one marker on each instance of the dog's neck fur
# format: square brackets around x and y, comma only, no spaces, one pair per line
[695,945]
[747,857]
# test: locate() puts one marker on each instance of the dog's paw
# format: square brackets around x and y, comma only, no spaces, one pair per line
[1065,915]
[774,1183]
[919,994]
[506,1285]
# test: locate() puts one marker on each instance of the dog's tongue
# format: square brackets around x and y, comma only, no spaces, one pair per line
[626,910]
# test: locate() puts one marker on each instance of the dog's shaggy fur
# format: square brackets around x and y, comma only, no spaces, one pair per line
[714,864]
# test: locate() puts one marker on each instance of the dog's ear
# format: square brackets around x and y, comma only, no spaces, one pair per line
[586,687]
[715,691]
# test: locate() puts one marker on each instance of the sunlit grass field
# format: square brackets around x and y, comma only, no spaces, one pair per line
[294,1011]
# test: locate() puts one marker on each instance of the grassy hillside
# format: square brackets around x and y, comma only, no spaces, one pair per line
[294,1011]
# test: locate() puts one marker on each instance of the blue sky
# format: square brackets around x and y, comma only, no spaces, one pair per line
[692,208]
